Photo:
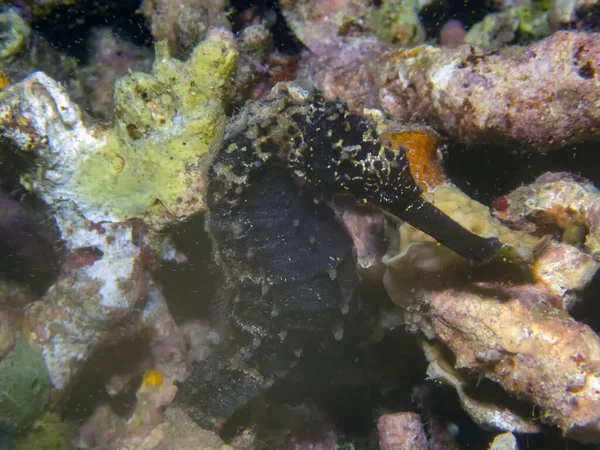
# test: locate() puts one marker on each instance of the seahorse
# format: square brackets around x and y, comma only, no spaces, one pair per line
[289,272]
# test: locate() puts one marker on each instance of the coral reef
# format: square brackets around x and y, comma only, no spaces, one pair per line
[270,144]
[146,426]
[320,25]
[105,293]
[524,21]
[503,339]
[533,350]
[254,44]
[297,271]
[569,14]
[495,414]
[416,251]
[474,96]
[467,99]
[500,331]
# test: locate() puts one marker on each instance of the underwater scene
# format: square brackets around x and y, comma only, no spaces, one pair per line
[299,225]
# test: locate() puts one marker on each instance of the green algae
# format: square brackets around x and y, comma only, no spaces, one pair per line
[14,36]
[533,20]
[24,384]
[48,433]
[398,22]
[165,123]
[524,23]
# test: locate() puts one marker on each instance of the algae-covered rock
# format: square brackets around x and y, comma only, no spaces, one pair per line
[494,31]
[322,26]
[165,121]
[483,408]
[24,384]
[14,35]
[417,250]
[562,199]
[47,433]
[523,23]
[398,22]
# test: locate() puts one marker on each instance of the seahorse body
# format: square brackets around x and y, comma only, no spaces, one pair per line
[288,266]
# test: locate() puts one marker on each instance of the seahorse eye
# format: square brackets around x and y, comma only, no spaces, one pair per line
[387,197]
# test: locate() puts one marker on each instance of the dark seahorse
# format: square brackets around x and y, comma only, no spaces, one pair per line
[289,274]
